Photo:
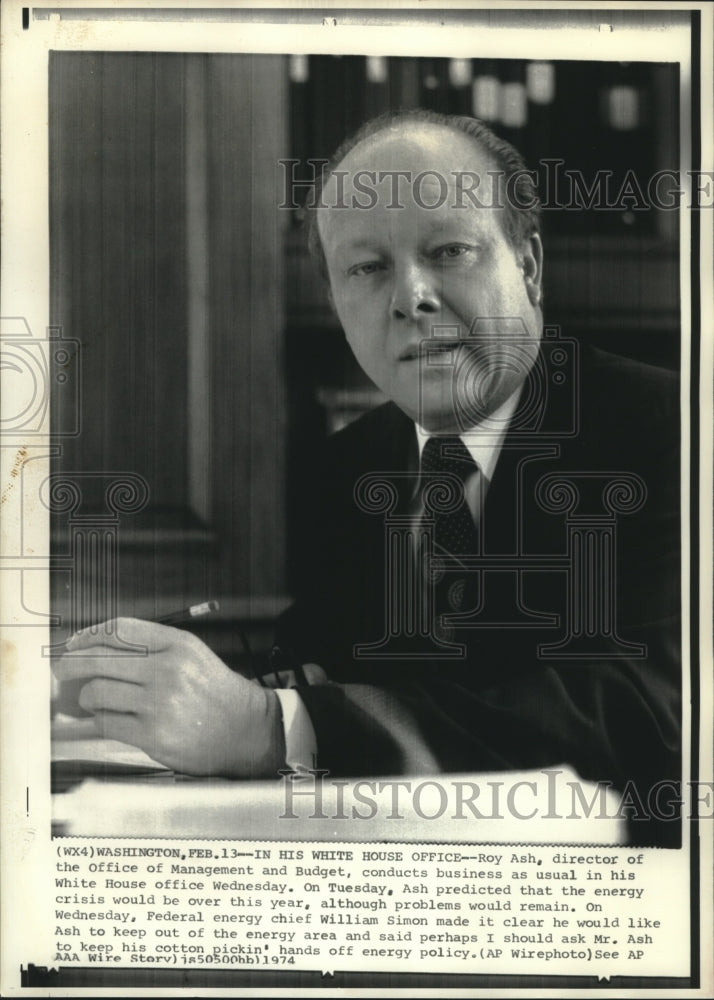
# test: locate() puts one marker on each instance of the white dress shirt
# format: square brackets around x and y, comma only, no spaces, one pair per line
[483,443]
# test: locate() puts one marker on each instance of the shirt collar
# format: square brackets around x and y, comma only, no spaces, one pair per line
[484,441]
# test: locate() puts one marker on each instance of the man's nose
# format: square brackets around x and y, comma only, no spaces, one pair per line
[413,294]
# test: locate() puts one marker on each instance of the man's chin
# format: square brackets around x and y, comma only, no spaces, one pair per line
[439,420]
[446,420]
[439,416]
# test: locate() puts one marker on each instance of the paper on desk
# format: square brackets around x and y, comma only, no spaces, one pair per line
[215,808]
[77,740]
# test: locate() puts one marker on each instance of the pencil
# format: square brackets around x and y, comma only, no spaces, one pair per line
[174,618]
[187,614]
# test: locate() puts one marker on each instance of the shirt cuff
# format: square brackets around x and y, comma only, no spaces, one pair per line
[300,739]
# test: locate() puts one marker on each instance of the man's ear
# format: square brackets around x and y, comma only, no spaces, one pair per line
[532,265]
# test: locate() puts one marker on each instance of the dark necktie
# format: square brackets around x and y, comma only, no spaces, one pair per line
[454,532]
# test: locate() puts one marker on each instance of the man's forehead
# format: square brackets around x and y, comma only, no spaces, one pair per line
[427,169]
[432,146]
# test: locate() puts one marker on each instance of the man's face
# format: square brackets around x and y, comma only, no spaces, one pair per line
[439,309]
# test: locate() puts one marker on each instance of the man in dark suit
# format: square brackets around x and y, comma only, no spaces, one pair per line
[567,613]
[491,561]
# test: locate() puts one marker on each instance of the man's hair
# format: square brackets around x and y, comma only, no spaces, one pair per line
[521,212]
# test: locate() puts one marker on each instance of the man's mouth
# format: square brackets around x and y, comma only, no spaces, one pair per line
[429,348]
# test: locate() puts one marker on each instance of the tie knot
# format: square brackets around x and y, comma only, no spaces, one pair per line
[447,454]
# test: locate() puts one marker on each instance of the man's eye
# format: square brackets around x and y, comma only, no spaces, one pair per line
[452,251]
[369,267]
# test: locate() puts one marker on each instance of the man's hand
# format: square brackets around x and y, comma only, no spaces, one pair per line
[178,701]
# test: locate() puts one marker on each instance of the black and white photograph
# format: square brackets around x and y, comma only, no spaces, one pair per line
[356,484]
